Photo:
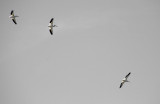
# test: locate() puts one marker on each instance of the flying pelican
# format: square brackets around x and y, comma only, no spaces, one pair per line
[13,17]
[125,80]
[51,26]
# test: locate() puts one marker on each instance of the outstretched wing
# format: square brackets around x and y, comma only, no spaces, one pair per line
[14,20]
[51,31]
[51,21]
[121,84]
[12,12]
[128,75]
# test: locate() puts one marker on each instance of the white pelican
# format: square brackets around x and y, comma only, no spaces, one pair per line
[51,26]
[13,17]
[125,80]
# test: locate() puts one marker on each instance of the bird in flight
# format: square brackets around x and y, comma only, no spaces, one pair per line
[51,26]
[13,17]
[124,80]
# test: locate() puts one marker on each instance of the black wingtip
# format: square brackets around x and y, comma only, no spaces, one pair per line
[51,32]
[12,12]
[51,20]
[14,21]
[120,85]
[128,75]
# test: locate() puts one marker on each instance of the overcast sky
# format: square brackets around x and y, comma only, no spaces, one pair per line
[94,46]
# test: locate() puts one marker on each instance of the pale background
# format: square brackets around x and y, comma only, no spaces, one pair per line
[96,44]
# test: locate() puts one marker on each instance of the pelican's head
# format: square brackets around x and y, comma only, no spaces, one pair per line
[127,81]
[55,26]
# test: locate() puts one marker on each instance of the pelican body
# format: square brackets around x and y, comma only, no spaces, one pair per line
[13,17]
[125,79]
[51,26]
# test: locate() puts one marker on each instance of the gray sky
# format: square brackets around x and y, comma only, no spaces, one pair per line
[94,46]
